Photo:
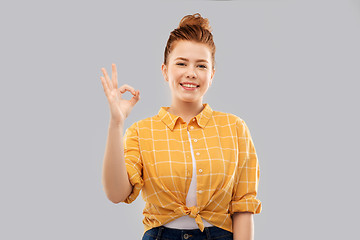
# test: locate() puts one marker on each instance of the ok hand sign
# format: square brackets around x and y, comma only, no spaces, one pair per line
[119,108]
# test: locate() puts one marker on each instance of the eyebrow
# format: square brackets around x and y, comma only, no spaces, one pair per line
[185,59]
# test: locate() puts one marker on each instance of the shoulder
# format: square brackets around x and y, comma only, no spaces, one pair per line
[231,118]
[145,123]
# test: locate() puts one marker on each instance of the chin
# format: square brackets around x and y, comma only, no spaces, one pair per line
[189,100]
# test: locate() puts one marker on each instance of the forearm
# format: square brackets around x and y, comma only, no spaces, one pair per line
[114,176]
[243,226]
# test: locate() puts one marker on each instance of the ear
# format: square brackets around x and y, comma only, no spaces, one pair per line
[212,76]
[164,72]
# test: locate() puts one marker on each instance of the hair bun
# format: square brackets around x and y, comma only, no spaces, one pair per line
[195,19]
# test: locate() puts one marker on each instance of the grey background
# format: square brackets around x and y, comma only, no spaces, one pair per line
[290,69]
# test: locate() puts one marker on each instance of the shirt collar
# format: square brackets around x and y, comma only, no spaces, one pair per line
[170,119]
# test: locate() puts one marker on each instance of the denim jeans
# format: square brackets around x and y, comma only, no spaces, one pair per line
[209,233]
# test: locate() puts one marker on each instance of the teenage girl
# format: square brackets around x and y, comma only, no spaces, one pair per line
[197,168]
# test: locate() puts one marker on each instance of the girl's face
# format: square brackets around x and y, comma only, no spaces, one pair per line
[188,63]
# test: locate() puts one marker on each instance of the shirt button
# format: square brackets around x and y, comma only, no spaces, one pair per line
[195,140]
[191,127]
[198,153]
[200,170]
[200,191]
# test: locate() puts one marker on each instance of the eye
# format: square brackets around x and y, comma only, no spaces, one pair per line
[202,66]
[181,64]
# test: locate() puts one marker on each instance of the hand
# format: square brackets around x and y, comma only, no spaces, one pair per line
[119,108]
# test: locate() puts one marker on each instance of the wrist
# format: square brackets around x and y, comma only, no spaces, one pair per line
[116,124]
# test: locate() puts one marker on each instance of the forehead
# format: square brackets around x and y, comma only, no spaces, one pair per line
[190,50]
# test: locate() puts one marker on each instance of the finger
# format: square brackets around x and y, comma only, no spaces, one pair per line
[114,76]
[107,78]
[105,86]
[125,87]
[135,98]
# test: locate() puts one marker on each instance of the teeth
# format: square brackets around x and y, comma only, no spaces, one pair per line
[189,85]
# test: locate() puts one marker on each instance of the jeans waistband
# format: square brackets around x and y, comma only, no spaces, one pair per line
[172,233]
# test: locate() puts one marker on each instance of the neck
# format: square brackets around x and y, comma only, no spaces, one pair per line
[186,110]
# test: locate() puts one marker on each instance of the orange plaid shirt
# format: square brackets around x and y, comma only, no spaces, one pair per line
[159,162]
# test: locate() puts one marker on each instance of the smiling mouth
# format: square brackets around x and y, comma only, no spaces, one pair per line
[195,87]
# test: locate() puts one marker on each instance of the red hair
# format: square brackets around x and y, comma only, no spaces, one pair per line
[191,28]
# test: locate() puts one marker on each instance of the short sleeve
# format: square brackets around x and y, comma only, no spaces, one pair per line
[133,161]
[245,190]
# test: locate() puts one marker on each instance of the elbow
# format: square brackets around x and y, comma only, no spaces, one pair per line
[116,201]
[117,194]
[114,197]
[119,198]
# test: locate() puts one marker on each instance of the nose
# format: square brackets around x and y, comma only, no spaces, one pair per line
[190,73]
